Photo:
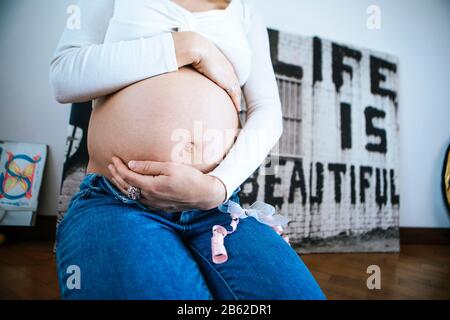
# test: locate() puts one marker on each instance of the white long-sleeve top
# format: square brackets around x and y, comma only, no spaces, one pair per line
[120,42]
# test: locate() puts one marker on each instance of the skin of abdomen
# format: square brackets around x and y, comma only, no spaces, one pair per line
[179,117]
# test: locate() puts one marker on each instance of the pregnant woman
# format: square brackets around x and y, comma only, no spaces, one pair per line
[168,154]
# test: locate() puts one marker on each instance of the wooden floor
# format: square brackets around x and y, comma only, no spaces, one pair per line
[27,271]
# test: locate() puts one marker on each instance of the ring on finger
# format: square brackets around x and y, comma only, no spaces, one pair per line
[134,193]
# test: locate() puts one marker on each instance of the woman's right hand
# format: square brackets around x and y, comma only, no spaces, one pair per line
[196,50]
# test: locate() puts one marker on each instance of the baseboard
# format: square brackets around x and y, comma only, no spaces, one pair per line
[44,229]
[436,236]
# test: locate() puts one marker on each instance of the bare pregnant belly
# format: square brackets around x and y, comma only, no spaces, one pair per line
[175,117]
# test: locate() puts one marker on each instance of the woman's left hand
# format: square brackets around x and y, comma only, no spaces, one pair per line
[168,186]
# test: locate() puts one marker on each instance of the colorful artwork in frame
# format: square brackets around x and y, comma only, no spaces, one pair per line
[21,170]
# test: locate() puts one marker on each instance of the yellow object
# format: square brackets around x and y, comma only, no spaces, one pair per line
[447,177]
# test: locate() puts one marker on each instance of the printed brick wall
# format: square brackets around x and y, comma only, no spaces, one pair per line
[338,159]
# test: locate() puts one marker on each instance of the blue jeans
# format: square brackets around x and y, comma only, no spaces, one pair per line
[111,247]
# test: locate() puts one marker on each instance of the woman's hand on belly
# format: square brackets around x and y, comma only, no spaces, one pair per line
[209,61]
[168,186]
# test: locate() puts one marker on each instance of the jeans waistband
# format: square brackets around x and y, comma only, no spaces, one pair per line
[98,182]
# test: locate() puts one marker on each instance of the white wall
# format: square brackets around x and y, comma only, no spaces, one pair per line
[29,31]
[417,31]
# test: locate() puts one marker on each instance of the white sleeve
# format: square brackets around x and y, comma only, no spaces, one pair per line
[84,68]
[264,124]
